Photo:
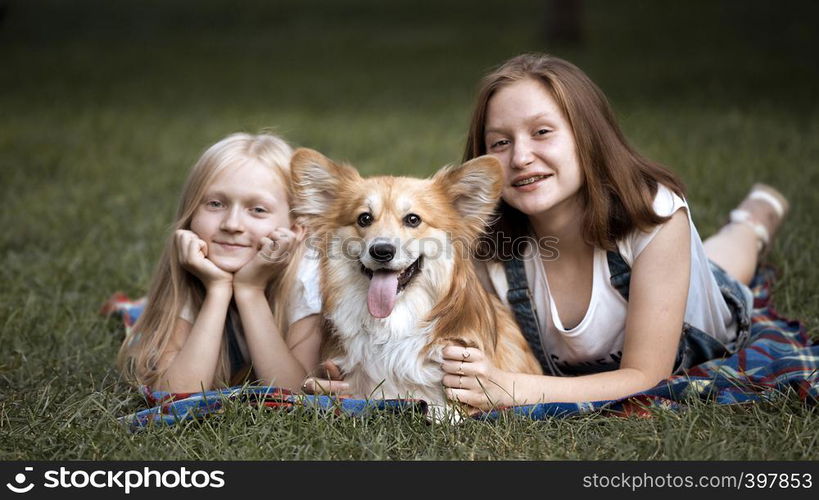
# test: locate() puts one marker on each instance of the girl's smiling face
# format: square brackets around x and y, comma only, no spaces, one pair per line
[526,130]
[241,206]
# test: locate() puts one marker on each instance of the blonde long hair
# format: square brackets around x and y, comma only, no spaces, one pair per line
[172,286]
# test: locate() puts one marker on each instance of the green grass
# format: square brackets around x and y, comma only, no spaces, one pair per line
[104,108]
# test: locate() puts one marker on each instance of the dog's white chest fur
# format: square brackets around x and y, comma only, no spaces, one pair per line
[383,357]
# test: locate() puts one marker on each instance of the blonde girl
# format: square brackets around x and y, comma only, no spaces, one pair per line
[235,295]
[623,292]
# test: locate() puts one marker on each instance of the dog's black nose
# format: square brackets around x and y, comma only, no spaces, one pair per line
[382,252]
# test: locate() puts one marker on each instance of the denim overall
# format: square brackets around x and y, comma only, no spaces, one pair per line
[695,345]
[240,368]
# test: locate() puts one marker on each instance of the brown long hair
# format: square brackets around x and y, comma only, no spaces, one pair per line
[619,184]
[172,287]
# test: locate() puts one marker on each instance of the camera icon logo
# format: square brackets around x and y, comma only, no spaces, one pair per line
[20,478]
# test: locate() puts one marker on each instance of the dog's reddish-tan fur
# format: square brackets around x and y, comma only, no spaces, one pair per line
[464,312]
[473,318]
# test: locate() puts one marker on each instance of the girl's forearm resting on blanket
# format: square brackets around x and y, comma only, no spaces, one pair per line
[278,359]
[188,364]
[653,327]
[648,357]
[531,389]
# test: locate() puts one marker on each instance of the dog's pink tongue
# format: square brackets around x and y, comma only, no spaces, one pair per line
[381,296]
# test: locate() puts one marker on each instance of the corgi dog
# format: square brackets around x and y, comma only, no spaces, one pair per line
[397,281]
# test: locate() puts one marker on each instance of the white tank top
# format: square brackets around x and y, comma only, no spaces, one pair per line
[598,338]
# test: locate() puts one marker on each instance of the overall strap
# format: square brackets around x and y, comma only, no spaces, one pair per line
[620,273]
[232,325]
[520,300]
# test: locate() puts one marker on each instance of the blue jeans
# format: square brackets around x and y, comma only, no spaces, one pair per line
[697,346]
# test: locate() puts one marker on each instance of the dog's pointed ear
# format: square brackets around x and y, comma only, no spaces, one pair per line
[475,188]
[317,181]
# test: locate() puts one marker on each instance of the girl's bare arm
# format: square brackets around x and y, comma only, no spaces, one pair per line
[188,363]
[657,300]
[279,358]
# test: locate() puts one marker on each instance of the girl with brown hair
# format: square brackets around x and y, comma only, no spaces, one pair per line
[628,293]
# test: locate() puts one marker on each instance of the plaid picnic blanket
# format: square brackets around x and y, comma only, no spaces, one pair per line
[779,359]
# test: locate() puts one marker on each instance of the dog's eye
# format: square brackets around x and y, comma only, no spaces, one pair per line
[365,219]
[412,220]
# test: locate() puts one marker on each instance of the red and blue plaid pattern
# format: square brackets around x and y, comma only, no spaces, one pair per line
[779,359]
[171,408]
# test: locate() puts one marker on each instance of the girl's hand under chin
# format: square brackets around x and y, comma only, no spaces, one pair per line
[192,253]
[273,256]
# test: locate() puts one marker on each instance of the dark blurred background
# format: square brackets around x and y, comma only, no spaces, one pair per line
[104,105]
[355,56]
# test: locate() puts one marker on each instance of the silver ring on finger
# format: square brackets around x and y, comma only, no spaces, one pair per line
[268,253]
[460,382]
[466,354]
[461,369]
